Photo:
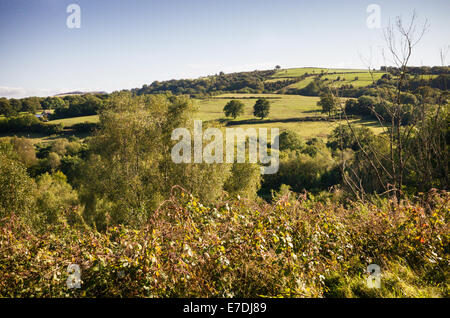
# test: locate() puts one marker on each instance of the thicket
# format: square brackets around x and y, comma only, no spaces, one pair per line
[296,247]
[242,82]
[28,124]
[78,105]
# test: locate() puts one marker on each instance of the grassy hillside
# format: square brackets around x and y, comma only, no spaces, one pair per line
[354,77]
[286,112]
[296,72]
[76,120]
[282,106]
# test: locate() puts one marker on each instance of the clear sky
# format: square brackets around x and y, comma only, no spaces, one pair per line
[125,44]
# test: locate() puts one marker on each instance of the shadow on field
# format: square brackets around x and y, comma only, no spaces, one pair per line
[312,111]
[367,122]
[228,122]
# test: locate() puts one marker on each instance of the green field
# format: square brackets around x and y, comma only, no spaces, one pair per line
[278,79]
[76,120]
[283,108]
[296,72]
[311,129]
[347,76]
[303,83]
[355,79]
[428,76]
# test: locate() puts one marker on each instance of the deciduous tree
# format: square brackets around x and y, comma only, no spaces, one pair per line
[234,108]
[261,108]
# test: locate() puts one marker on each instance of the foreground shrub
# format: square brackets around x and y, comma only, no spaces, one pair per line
[16,187]
[293,248]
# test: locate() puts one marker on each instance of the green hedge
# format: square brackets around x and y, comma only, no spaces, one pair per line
[28,124]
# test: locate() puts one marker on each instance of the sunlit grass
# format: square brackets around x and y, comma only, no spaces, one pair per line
[76,120]
[284,107]
[296,72]
[355,79]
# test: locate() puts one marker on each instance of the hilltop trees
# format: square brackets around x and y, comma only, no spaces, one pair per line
[261,108]
[242,82]
[234,108]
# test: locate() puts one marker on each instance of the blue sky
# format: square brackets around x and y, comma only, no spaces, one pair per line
[125,44]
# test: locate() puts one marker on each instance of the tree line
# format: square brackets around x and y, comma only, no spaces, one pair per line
[241,82]
[62,107]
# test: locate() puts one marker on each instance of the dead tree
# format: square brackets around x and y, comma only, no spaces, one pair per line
[389,167]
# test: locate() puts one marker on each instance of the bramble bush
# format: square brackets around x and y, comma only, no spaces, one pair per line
[295,247]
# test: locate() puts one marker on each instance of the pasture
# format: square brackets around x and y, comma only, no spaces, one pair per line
[76,120]
[296,72]
[282,106]
[286,112]
[355,79]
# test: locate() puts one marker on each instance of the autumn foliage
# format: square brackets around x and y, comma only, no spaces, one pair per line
[296,247]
